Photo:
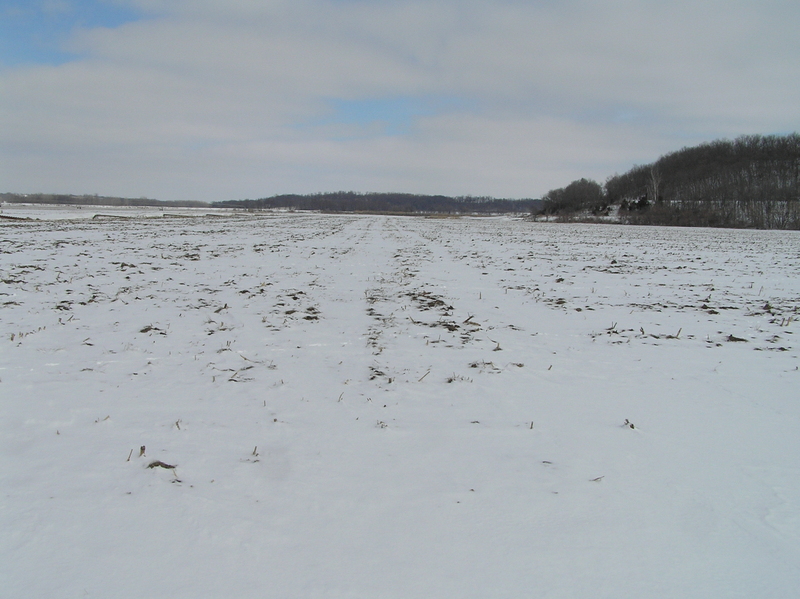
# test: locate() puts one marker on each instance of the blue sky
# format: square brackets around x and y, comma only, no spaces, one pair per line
[224,99]
[36,32]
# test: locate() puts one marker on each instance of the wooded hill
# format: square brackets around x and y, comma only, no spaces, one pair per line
[750,182]
[391,203]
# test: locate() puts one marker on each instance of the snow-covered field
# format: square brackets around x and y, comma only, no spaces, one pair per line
[365,406]
[77,212]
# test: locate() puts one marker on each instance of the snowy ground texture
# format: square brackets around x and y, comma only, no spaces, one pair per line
[366,406]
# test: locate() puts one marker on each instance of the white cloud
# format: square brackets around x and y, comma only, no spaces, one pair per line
[214,100]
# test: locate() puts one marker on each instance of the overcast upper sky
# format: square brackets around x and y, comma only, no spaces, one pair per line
[228,99]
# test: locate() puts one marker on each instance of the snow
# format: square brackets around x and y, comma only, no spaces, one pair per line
[369,406]
[83,212]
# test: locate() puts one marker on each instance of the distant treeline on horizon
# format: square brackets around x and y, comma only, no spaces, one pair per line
[340,201]
[393,203]
[92,200]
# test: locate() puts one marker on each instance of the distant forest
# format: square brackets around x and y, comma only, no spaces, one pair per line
[387,203]
[750,182]
[340,201]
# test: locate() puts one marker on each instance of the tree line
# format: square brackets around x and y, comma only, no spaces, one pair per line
[93,200]
[750,182]
[388,203]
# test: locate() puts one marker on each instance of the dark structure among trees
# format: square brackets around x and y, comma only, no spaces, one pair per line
[752,181]
[581,195]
